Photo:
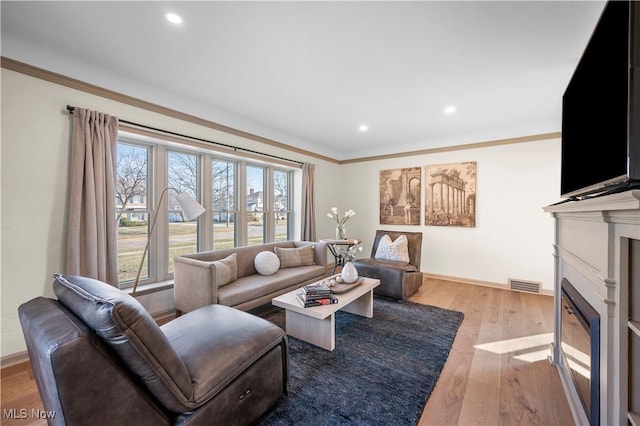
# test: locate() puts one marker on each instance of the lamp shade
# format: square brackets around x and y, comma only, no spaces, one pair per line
[190,207]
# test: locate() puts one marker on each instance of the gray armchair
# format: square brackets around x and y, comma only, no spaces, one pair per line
[398,280]
[100,359]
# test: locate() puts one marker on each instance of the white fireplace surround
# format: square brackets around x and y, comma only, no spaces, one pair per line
[594,239]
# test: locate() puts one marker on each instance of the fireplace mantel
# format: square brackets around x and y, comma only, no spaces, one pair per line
[597,248]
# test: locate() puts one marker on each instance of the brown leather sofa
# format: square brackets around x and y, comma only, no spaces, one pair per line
[398,280]
[100,359]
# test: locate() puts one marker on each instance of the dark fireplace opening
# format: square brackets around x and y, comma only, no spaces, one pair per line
[581,348]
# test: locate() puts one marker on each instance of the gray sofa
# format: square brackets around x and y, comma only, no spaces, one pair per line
[98,358]
[197,276]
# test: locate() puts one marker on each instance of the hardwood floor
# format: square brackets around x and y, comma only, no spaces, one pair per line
[497,372]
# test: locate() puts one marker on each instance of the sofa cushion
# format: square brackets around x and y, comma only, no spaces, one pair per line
[292,257]
[397,250]
[125,325]
[266,263]
[226,270]
[391,264]
[256,286]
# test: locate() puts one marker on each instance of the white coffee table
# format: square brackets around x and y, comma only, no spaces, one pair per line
[316,325]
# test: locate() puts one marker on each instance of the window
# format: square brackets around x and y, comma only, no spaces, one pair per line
[281,205]
[255,205]
[247,204]
[223,203]
[182,175]
[132,213]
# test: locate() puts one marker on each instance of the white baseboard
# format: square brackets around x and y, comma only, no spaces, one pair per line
[504,286]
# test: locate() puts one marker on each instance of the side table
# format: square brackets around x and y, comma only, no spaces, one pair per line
[338,248]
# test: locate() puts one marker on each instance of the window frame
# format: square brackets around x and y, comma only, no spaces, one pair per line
[157,181]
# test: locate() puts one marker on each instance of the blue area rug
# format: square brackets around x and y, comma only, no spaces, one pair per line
[381,373]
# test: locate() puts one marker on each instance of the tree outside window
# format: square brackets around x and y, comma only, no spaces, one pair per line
[182,175]
[223,203]
[132,211]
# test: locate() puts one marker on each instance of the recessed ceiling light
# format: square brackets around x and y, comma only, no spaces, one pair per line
[173,18]
[450,109]
[363,128]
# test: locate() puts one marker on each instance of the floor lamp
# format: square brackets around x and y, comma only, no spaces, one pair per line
[190,208]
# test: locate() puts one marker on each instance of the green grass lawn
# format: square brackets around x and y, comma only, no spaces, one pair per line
[182,240]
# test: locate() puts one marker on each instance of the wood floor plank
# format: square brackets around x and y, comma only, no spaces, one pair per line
[446,401]
[482,397]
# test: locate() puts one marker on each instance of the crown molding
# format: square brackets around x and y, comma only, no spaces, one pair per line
[73,83]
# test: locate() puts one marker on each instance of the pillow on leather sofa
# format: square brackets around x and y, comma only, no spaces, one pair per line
[397,250]
[226,270]
[292,257]
[266,263]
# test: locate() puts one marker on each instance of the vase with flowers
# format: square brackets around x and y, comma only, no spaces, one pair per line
[341,231]
[349,272]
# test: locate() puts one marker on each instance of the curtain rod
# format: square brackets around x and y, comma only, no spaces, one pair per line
[235,148]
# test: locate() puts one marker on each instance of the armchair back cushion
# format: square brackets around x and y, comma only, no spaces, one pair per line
[414,244]
[78,376]
[123,323]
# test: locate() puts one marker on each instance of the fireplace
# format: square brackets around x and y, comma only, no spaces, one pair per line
[581,348]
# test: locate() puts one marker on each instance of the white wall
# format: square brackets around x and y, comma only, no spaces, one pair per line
[513,236]
[35,157]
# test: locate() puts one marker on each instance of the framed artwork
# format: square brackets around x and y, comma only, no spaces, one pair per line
[450,195]
[400,191]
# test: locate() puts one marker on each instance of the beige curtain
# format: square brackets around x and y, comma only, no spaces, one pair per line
[308,203]
[92,234]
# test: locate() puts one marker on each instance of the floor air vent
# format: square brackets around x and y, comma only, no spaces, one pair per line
[522,285]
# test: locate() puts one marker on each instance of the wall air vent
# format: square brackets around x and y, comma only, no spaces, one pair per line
[523,285]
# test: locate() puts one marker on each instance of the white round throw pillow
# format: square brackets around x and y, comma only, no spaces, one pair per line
[266,263]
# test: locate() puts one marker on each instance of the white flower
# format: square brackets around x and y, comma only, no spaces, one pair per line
[340,220]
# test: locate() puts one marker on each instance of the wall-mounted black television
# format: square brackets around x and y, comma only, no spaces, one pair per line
[601,111]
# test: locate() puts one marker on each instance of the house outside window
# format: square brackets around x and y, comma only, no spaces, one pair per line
[281,205]
[256,231]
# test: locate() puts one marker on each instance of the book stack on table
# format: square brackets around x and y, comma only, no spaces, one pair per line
[316,295]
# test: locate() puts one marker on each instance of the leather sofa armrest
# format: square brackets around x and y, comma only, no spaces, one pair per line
[194,283]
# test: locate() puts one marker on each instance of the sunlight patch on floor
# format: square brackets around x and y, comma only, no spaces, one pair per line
[527,348]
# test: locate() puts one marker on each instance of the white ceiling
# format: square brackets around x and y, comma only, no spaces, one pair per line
[308,74]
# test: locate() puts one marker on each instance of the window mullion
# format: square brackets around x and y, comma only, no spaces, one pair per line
[205,236]
[242,204]
[269,217]
[161,234]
